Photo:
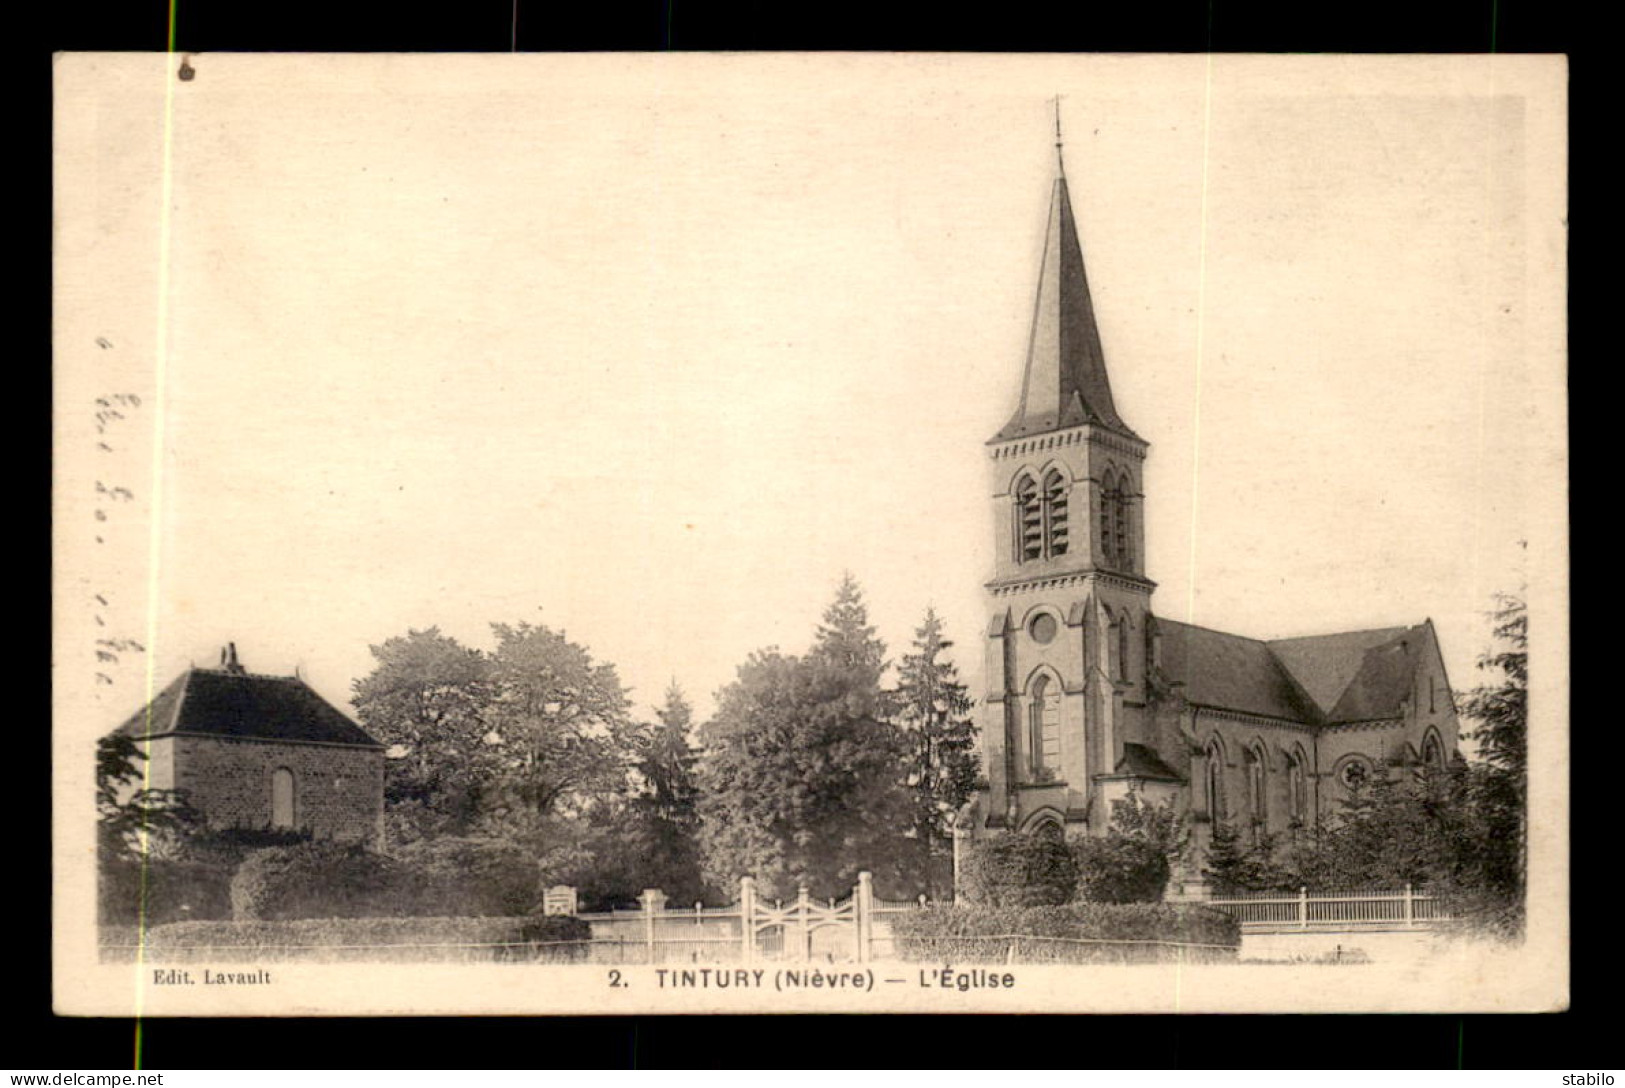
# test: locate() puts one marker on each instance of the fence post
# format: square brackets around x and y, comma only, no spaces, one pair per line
[654,901]
[1410,911]
[863,915]
[1303,907]
[747,917]
[803,929]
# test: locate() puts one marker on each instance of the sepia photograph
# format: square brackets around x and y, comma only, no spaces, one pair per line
[797,533]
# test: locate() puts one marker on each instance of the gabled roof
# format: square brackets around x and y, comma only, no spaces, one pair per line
[1065,382]
[1356,676]
[1229,672]
[247,706]
[1324,664]
[1351,676]
[1141,762]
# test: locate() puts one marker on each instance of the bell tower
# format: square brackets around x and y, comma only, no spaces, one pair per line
[1069,602]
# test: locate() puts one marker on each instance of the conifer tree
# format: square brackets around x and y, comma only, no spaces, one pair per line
[847,640]
[938,737]
[1498,785]
[664,813]
[799,773]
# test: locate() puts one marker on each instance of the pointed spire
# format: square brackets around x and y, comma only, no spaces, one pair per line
[1060,160]
[1065,383]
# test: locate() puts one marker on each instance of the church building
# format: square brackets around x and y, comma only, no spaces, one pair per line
[1091,695]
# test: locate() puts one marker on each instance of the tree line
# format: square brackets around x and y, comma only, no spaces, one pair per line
[525,765]
[812,768]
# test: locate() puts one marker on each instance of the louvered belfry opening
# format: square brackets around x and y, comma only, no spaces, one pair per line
[1029,520]
[1108,518]
[1120,526]
[1055,513]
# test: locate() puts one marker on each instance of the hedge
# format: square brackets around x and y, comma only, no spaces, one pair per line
[318,880]
[468,878]
[1120,869]
[1019,871]
[536,939]
[1078,933]
[172,890]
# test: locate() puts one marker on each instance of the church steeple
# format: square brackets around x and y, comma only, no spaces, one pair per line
[1065,383]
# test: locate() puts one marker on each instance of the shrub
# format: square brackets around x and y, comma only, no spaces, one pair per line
[405,940]
[553,928]
[469,878]
[1079,933]
[1118,869]
[133,891]
[317,880]
[228,846]
[1019,871]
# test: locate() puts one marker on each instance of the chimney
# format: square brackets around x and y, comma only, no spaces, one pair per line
[229,654]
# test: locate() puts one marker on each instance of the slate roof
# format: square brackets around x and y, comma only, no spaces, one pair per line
[1141,762]
[1351,676]
[248,706]
[1357,676]
[1229,672]
[1065,381]
[1325,664]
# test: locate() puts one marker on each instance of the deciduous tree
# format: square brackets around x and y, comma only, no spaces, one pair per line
[426,699]
[559,726]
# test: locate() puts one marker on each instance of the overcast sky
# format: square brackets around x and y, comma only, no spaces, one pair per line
[652,349]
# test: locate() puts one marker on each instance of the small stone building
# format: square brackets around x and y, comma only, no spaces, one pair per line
[262,753]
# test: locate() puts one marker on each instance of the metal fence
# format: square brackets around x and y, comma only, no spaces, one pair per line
[1272,912]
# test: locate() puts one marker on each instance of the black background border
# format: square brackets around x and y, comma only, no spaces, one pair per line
[1582,1038]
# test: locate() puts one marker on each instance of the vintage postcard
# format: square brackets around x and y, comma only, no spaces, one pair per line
[574,534]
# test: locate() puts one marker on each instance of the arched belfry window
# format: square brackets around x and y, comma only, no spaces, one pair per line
[1055,527]
[1215,781]
[282,798]
[1044,726]
[1108,519]
[1120,526]
[1029,520]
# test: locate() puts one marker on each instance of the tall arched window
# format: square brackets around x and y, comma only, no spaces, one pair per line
[1055,527]
[1108,519]
[1433,753]
[1044,727]
[1029,521]
[1120,630]
[282,798]
[1257,799]
[1215,781]
[1297,787]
